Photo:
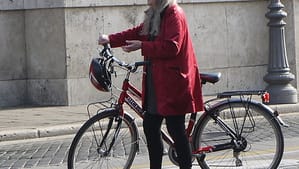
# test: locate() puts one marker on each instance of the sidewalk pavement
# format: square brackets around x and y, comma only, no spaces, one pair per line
[38,122]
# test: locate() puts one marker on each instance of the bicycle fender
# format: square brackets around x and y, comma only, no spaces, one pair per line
[132,121]
[274,113]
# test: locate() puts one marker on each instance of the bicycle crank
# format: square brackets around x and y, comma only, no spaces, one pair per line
[174,157]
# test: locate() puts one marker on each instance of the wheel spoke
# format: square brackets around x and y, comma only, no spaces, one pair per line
[103,142]
[259,143]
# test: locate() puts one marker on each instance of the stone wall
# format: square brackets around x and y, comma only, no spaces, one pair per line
[12,58]
[46,45]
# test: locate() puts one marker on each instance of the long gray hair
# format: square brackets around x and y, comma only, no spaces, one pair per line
[152,18]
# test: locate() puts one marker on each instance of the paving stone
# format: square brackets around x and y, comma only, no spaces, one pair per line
[53,152]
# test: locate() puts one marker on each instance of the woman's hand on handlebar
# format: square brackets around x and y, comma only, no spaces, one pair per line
[131,45]
[103,39]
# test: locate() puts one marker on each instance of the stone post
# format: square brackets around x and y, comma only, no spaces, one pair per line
[279,76]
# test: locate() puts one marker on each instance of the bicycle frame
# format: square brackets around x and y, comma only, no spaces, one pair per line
[126,96]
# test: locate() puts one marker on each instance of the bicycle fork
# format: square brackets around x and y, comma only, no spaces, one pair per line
[106,152]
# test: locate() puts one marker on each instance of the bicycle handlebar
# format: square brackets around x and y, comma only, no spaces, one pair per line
[107,54]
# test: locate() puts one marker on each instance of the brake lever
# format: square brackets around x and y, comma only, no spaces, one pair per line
[137,64]
[134,69]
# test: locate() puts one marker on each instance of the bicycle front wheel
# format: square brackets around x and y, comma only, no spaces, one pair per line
[105,141]
[257,141]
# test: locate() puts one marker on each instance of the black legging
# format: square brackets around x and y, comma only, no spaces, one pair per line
[176,129]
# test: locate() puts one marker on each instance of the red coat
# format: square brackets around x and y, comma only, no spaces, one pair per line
[174,67]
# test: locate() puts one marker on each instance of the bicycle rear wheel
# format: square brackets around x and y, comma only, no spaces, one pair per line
[259,142]
[105,141]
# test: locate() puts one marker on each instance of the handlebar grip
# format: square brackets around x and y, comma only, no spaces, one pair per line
[142,63]
[137,64]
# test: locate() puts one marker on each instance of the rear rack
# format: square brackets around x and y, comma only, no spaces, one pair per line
[264,94]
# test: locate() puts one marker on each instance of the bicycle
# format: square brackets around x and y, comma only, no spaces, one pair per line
[234,131]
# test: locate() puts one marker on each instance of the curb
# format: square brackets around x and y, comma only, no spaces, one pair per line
[42,132]
[52,131]
[285,108]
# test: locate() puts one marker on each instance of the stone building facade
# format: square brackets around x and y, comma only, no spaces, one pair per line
[46,45]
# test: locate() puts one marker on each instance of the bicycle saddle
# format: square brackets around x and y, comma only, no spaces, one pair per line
[210,77]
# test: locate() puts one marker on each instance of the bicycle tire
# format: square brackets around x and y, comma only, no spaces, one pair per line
[86,152]
[264,143]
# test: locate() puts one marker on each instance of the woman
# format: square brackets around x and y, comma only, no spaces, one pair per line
[171,84]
